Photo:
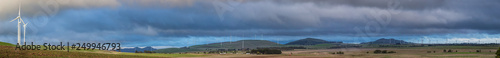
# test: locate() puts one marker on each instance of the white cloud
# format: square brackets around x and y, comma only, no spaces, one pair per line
[146,31]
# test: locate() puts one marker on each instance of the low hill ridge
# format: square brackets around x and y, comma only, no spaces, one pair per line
[387,41]
[310,41]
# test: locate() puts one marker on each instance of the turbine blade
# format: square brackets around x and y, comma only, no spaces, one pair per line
[15,19]
[19,13]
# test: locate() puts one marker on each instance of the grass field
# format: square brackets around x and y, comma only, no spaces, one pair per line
[415,52]
[6,44]
[442,47]
[8,50]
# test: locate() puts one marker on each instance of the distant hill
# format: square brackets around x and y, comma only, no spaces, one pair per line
[132,50]
[252,44]
[387,41]
[238,44]
[310,41]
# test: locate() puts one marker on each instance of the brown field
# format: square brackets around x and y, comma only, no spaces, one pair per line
[361,53]
[419,52]
[10,52]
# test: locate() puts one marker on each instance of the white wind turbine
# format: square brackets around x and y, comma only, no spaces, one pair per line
[24,32]
[19,21]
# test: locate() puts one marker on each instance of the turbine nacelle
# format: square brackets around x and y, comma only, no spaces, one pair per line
[24,25]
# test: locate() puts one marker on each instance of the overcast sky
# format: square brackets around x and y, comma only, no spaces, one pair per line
[178,23]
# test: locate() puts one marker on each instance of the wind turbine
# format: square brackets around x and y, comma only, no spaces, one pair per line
[262,36]
[479,41]
[230,39]
[255,37]
[243,44]
[19,21]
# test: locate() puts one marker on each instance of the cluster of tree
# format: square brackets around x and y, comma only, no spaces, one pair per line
[282,48]
[145,51]
[148,51]
[242,49]
[431,51]
[265,51]
[383,51]
[340,52]
[498,53]
[218,52]
[346,46]
[399,46]
[449,50]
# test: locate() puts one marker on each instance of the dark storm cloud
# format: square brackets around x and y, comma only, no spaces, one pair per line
[408,4]
[296,17]
[132,20]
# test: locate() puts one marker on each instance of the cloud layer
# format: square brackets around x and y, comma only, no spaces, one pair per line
[153,22]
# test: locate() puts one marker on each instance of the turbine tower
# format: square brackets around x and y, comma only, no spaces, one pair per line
[243,44]
[24,32]
[230,39]
[19,21]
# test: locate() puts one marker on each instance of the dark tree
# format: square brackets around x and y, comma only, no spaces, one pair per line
[384,51]
[498,53]
[391,52]
[340,52]
[377,51]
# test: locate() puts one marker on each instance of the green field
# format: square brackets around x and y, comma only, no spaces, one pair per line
[6,44]
[8,50]
[314,51]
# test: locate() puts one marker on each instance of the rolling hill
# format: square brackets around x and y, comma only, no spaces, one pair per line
[310,41]
[239,44]
[387,41]
[225,45]
[133,50]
